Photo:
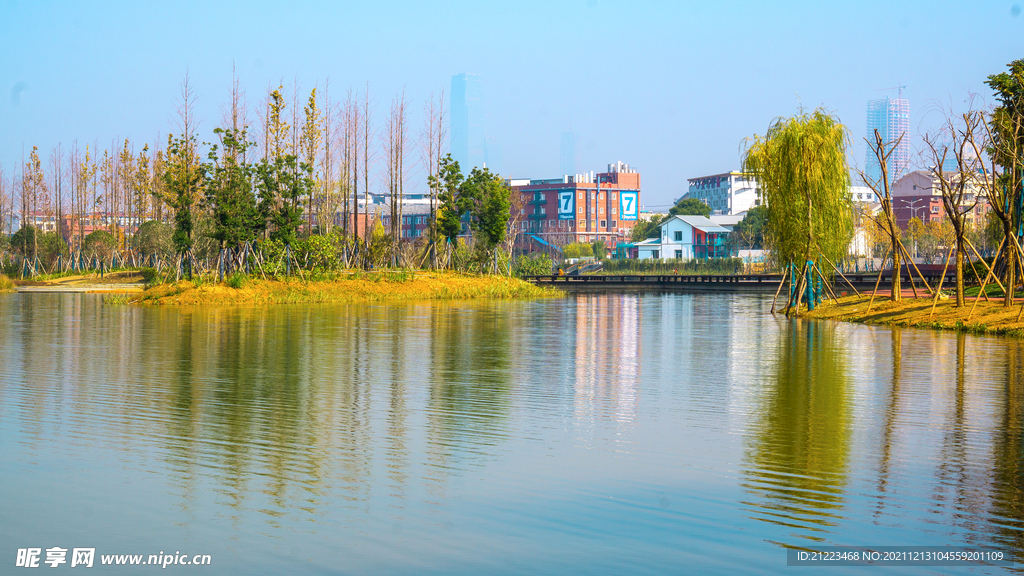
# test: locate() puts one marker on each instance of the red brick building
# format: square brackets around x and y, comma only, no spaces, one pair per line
[579,208]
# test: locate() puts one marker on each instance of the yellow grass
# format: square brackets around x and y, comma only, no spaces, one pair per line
[373,286]
[988,317]
[6,284]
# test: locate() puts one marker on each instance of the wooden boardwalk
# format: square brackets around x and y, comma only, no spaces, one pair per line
[864,281]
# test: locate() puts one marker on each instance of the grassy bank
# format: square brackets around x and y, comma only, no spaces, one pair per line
[358,286]
[988,317]
[6,284]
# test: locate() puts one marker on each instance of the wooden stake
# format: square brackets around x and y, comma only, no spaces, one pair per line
[985,283]
[984,263]
[777,290]
[799,290]
[976,277]
[854,288]
[987,267]
[879,281]
[1019,260]
[938,290]
[918,270]
[825,282]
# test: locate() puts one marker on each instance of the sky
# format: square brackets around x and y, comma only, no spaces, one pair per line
[671,88]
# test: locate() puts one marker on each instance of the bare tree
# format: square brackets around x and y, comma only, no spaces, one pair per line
[959,188]
[886,219]
[434,144]
[57,175]
[367,135]
[348,178]
[394,149]
[326,203]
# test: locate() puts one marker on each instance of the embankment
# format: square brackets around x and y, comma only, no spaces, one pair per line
[989,317]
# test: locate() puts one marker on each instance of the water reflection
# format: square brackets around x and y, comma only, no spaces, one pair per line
[437,436]
[796,466]
[606,357]
[1008,454]
[282,405]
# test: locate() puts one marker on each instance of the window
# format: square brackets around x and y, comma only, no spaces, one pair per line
[581,196]
[593,223]
[679,254]
[583,223]
[613,223]
[551,223]
[604,224]
[935,209]
[600,210]
[678,236]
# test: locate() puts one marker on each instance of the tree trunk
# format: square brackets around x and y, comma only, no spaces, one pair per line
[1011,266]
[960,272]
[897,272]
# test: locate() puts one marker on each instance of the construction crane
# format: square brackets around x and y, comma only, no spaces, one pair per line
[900,88]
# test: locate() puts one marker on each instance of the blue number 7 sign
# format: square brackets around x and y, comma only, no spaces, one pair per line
[627,205]
[566,205]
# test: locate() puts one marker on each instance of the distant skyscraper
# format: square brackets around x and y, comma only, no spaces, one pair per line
[466,118]
[891,117]
[570,153]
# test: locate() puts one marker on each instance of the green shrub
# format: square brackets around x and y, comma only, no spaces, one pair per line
[238,280]
[100,243]
[577,250]
[537,264]
[150,276]
[672,266]
[154,237]
[317,253]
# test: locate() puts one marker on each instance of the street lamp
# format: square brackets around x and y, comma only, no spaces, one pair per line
[913,214]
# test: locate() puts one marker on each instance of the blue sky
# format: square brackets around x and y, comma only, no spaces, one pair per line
[671,88]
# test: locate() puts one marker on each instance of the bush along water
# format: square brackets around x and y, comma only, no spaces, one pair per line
[673,266]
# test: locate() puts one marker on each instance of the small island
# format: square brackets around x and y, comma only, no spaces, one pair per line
[383,286]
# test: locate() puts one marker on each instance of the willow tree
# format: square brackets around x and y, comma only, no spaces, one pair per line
[800,166]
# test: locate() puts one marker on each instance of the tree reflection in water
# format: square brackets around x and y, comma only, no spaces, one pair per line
[796,463]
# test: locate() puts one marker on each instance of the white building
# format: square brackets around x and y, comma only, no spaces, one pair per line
[686,237]
[727,193]
[862,194]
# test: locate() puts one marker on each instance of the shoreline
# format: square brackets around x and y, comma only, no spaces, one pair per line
[382,286]
[988,318]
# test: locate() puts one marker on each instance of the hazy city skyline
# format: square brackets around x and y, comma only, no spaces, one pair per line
[672,89]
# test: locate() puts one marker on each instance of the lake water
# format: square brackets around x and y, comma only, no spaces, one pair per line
[625,433]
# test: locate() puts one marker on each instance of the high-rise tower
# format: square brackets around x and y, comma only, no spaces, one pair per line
[466,118]
[891,117]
